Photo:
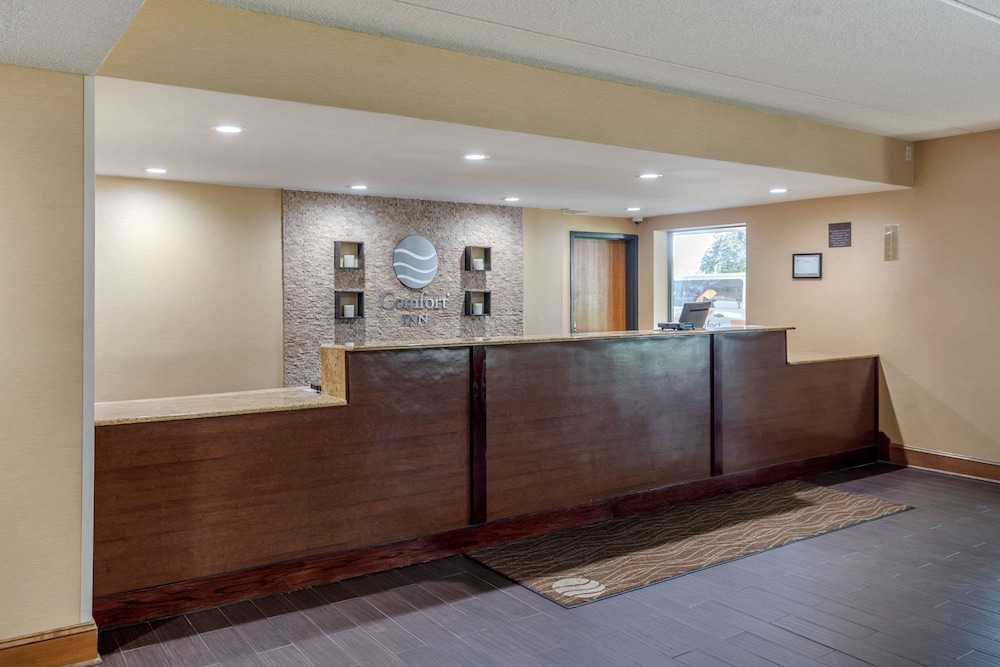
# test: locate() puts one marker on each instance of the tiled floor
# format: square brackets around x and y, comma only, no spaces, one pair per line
[921,587]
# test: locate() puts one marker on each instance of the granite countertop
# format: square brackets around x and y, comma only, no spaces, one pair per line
[460,342]
[210,405]
[814,357]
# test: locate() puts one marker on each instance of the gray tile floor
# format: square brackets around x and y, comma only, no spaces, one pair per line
[921,587]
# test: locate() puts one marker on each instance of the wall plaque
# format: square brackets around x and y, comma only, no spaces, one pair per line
[840,235]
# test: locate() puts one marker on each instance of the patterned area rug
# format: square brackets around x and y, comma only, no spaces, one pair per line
[583,564]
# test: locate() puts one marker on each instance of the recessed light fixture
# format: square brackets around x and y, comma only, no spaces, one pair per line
[155,170]
[650,176]
[512,199]
[633,209]
[476,156]
[778,191]
[228,129]
[359,187]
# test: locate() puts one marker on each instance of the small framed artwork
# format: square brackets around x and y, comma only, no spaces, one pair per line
[807,265]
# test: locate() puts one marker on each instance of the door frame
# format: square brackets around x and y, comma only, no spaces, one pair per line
[631,275]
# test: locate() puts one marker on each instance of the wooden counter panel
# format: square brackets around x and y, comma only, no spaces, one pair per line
[573,422]
[180,500]
[769,412]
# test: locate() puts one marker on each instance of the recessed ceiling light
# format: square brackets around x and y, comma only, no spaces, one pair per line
[359,187]
[633,209]
[155,170]
[778,191]
[650,176]
[512,199]
[228,129]
[476,156]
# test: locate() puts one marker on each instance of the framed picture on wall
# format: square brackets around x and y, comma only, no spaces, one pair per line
[807,265]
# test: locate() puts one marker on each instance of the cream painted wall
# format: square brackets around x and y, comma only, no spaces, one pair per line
[187,289]
[931,315]
[41,349]
[546,264]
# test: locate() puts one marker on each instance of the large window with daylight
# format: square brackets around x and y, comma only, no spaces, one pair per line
[709,264]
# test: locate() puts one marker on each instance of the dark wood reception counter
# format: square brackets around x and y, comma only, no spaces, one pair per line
[427,450]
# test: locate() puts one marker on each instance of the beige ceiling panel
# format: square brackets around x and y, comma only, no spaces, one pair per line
[202,45]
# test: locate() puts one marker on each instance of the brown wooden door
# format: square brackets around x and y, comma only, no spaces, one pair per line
[598,280]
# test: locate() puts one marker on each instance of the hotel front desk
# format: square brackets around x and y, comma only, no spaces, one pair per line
[419,451]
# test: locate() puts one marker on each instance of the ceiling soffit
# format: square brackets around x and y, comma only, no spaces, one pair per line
[203,45]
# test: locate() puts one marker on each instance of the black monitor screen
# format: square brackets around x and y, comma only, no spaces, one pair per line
[696,312]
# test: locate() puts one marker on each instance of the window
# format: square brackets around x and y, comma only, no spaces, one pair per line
[709,264]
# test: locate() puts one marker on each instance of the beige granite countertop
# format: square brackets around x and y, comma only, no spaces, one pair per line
[814,357]
[210,405]
[459,342]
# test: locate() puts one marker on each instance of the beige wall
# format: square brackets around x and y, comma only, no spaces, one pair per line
[546,264]
[187,289]
[41,349]
[931,315]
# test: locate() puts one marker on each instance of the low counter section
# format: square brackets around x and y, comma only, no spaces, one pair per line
[420,451]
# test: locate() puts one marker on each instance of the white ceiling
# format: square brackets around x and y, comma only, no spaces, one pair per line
[911,69]
[63,35]
[302,146]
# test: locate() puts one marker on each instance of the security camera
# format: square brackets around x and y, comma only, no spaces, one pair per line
[637,220]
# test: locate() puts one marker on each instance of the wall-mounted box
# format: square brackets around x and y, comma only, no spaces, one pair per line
[349,255]
[349,305]
[477,258]
[477,303]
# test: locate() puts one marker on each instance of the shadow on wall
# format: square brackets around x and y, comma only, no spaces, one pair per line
[925,411]
[887,421]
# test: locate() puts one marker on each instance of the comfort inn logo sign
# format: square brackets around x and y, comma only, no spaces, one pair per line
[415,262]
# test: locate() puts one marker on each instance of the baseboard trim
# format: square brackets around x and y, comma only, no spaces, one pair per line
[73,645]
[187,596]
[944,462]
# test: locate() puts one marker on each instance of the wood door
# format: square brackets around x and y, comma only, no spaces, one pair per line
[599,285]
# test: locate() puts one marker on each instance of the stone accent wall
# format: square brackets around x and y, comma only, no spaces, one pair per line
[313,222]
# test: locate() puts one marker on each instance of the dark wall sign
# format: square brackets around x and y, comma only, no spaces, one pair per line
[840,235]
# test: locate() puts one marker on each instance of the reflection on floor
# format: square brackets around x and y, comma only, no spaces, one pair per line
[921,587]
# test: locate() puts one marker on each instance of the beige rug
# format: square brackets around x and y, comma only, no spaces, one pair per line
[583,564]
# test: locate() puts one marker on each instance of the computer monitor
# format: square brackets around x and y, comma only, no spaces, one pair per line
[696,312]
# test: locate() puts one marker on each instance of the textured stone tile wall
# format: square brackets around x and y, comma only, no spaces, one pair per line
[313,222]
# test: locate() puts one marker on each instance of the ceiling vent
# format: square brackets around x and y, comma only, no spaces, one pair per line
[572,211]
